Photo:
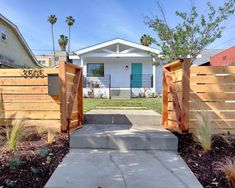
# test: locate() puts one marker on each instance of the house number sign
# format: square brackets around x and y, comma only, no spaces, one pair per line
[33,73]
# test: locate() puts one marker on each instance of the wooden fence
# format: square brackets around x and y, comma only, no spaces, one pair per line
[49,97]
[191,90]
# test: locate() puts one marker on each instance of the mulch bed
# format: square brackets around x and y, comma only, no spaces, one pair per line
[38,160]
[202,164]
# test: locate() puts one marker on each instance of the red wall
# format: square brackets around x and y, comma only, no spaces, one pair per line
[223,58]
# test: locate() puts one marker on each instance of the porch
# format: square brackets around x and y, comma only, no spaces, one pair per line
[137,85]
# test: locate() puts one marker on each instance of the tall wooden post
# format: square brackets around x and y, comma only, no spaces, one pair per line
[164,100]
[185,95]
[63,105]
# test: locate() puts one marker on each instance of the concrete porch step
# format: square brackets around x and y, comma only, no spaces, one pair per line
[123,137]
[126,117]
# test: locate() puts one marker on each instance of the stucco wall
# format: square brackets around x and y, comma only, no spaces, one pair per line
[120,76]
[12,48]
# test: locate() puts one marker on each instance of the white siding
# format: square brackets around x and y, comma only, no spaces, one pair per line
[120,76]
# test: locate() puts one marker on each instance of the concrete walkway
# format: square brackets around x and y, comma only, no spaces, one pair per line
[115,169]
[137,153]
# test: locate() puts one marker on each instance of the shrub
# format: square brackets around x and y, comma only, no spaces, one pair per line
[228,168]
[203,131]
[10,183]
[15,133]
[15,163]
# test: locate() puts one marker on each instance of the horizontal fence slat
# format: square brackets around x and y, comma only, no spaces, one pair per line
[212,69]
[24,89]
[19,72]
[212,96]
[212,88]
[29,98]
[211,106]
[32,115]
[23,81]
[212,79]
[29,106]
[214,115]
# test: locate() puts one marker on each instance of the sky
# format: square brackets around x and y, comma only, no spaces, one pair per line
[97,21]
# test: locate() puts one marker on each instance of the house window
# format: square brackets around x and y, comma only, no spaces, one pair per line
[42,62]
[95,69]
[3,32]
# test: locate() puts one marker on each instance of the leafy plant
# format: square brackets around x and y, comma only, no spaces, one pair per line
[15,133]
[43,151]
[195,31]
[228,168]
[146,40]
[48,159]
[15,163]
[203,132]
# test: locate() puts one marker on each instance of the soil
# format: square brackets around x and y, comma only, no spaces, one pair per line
[38,160]
[203,164]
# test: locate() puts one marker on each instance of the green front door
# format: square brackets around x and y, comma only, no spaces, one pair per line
[136,75]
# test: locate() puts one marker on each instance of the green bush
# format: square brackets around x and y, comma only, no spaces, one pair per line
[43,151]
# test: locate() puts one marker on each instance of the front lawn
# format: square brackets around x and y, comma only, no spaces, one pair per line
[148,103]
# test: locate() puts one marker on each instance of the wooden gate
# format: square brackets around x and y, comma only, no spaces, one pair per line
[25,93]
[189,90]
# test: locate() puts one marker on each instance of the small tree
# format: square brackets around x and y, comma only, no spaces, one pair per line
[63,41]
[193,34]
[70,21]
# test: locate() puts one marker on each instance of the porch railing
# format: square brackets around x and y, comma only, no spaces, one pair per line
[141,81]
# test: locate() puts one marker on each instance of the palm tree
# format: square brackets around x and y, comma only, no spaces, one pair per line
[146,40]
[63,41]
[70,21]
[52,19]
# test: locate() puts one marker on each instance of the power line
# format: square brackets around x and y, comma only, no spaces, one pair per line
[224,42]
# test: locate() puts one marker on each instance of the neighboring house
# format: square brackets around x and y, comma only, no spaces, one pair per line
[48,60]
[119,69]
[223,58]
[203,59]
[44,60]
[14,51]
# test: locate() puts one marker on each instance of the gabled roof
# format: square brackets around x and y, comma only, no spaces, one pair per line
[117,41]
[21,38]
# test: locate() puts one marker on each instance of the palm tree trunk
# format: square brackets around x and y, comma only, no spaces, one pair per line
[69,41]
[52,33]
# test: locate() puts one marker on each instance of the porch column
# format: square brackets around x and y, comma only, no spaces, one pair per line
[154,78]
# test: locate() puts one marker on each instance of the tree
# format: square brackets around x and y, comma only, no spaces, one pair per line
[195,32]
[52,20]
[63,41]
[70,21]
[146,40]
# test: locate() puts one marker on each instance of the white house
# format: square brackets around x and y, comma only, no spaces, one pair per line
[118,69]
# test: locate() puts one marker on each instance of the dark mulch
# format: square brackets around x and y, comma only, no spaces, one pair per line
[202,164]
[35,169]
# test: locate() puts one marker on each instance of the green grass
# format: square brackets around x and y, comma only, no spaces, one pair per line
[149,103]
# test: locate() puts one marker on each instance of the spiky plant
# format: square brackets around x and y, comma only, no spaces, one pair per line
[51,134]
[16,132]
[203,132]
[227,166]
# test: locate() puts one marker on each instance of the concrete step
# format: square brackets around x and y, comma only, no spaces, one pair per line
[126,117]
[123,137]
